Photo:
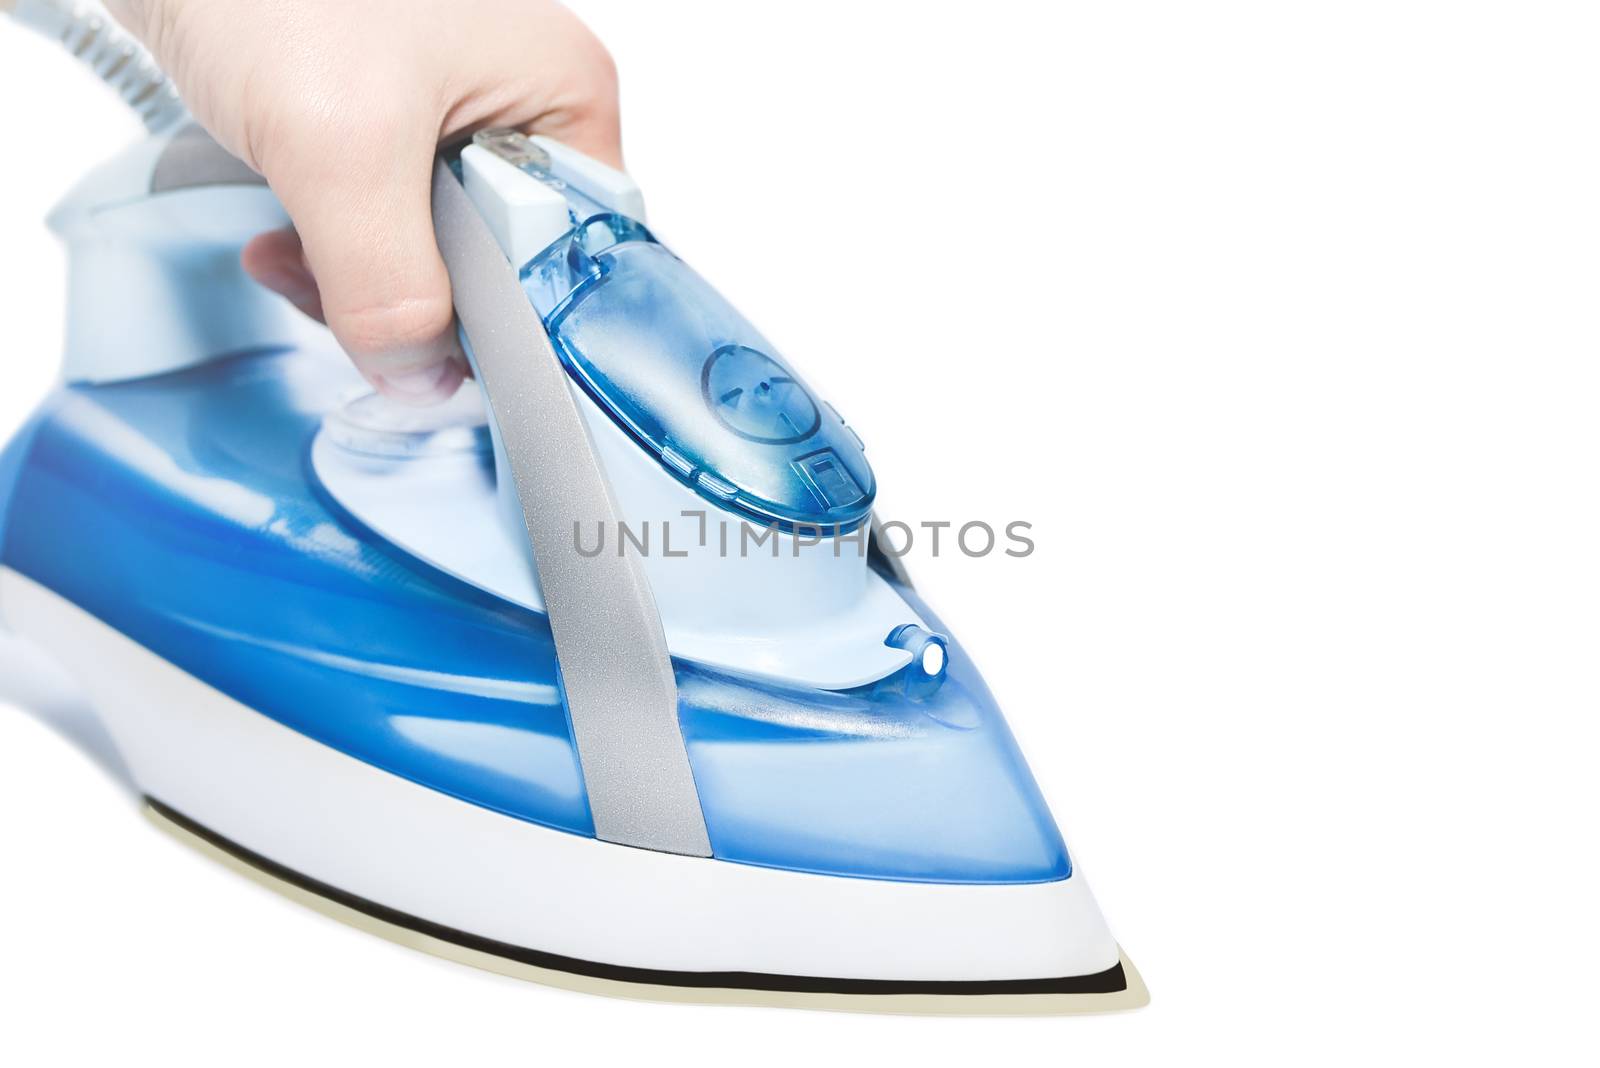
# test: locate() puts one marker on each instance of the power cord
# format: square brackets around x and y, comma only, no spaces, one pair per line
[85,30]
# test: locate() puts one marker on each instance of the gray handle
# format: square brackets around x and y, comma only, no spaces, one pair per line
[616,672]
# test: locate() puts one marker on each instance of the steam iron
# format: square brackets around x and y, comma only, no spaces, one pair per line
[596,675]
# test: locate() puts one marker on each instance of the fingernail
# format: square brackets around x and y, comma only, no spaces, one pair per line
[421,384]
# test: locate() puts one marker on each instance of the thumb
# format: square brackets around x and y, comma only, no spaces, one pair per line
[362,209]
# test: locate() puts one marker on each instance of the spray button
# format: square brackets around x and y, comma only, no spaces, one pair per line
[930,657]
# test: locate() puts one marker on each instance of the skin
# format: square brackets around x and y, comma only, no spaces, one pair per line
[341,105]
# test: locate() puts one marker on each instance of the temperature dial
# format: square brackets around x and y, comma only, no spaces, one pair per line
[757,398]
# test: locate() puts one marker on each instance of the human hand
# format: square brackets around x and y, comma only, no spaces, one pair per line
[341,105]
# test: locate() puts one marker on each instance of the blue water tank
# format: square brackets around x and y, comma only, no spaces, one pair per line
[10,470]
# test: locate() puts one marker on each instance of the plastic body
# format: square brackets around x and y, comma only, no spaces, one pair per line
[181,510]
[154,279]
[796,613]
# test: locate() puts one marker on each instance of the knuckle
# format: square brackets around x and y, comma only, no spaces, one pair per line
[603,67]
[378,329]
[601,91]
[588,88]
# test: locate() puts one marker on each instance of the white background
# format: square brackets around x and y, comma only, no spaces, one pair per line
[1277,320]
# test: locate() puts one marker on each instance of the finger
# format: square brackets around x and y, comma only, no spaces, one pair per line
[361,205]
[276,260]
[587,117]
[595,133]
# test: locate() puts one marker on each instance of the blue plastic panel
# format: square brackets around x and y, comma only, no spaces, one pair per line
[11,460]
[693,382]
[889,780]
[181,511]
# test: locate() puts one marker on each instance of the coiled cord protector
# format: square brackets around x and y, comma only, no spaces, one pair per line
[87,32]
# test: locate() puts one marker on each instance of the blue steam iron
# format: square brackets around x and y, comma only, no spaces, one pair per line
[596,675]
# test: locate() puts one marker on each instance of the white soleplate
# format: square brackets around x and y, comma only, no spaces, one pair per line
[1134,996]
[329,817]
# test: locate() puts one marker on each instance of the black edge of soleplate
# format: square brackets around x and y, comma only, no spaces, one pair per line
[1111,981]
